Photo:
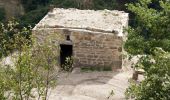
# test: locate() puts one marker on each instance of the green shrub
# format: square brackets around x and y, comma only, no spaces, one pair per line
[68,65]
[8,34]
[105,4]
[2,14]
[33,17]
[30,5]
[36,9]
[93,4]
[65,3]
[30,75]
[150,37]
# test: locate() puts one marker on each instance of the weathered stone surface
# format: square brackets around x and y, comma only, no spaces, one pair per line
[91,86]
[103,21]
[93,42]
[90,49]
[75,97]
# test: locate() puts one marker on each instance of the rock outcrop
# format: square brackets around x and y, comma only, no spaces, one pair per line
[13,8]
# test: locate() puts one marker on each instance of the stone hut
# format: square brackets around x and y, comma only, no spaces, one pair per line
[92,38]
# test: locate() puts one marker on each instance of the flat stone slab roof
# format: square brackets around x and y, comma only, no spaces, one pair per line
[99,20]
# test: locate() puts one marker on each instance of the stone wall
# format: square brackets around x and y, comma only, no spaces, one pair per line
[90,49]
[97,49]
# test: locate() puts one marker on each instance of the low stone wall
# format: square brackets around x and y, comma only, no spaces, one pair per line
[90,49]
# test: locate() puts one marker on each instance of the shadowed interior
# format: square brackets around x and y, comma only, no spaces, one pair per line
[66,51]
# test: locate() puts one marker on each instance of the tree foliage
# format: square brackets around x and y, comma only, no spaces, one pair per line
[8,34]
[151,27]
[36,9]
[156,85]
[86,4]
[2,14]
[150,37]
[33,17]
[34,4]
[29,74]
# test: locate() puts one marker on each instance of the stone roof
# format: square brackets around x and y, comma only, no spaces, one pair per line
[111,21]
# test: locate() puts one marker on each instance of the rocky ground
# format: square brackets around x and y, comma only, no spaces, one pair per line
[91,86]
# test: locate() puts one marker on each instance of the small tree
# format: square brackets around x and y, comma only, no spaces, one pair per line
[156,85]
[8,37]
[44,59]
[29,76]
[150,32]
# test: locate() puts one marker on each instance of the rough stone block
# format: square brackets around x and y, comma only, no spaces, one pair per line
[95,42]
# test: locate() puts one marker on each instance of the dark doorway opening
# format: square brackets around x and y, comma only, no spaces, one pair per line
[66,51]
